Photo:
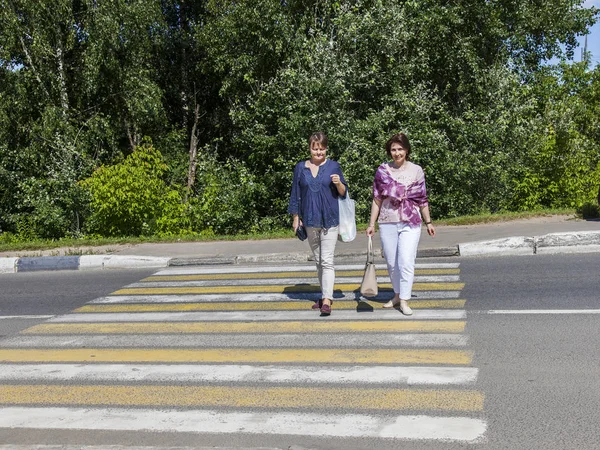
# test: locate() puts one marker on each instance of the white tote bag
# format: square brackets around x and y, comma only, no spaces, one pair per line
[347,228]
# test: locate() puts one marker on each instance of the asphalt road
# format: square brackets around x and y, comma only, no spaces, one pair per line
[53,293]
[530,325]
[540,372]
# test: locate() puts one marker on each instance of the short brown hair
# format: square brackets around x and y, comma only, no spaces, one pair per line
[318,137]
[401,139]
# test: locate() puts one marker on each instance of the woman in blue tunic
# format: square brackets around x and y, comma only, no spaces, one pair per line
[317,184]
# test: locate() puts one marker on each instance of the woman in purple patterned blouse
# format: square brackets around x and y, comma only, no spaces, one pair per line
[400,203]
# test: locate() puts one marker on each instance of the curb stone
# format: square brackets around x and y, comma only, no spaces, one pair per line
[571,242]
[581,241]
[92,262]
[565,242]
[517,245]
[8,265]
[38,264]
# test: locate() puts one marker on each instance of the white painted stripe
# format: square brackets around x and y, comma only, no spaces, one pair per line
[283,281]
[260,297]
[32,317]
[418,427]
[367,340]
[191,270]
[544,311]
[199,373]
[249,316]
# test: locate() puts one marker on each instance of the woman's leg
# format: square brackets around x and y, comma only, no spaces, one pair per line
[407,253]
[314,242]
[328,241]
[388,233]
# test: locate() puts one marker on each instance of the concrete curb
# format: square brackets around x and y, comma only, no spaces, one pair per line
[90,262]
[575,242]
[572,242]
[46,263]
[94,262]
[517,245]
[569,242]
[8,265]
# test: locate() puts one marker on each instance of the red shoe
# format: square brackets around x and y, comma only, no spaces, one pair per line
[326,309]
[317,305]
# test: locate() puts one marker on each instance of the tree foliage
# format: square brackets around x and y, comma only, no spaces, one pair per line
[228,91]
[130,198]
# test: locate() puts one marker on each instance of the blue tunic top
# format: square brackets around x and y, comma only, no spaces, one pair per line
[315,199]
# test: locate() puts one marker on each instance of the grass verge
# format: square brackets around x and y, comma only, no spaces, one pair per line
[86,245]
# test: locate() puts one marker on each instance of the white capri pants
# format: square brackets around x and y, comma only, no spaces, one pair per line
[399,241]
[322,243]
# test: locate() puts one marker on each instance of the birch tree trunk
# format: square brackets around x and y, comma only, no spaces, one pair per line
[62,84]
[193,162]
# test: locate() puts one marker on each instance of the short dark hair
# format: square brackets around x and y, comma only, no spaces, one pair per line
[318,137]
[401,139]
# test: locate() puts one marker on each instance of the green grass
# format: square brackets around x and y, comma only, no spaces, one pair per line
[506,216]
[79,246]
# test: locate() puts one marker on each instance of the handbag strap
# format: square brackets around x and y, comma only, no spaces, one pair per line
[370,255]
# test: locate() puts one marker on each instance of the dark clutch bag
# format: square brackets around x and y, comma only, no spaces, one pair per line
[301,233]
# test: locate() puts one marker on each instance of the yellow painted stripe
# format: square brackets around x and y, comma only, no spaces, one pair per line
[257,306]
[367,326]
[244,397]
[265,275]
[281,289]
[234,355]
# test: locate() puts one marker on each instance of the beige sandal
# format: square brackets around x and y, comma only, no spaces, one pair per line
[405,308]
[391,304]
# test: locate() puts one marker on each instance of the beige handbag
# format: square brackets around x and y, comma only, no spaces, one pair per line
[368,287]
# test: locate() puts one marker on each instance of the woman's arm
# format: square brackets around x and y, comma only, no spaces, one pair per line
[427,219]
[295,206]
[296,222]
[424,207]
[375,206]
[337,182]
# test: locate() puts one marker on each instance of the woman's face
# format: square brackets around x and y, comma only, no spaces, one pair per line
[317,152]
[398,154]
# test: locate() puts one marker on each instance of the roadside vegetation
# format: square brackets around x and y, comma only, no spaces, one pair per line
[9,242]
[124,122]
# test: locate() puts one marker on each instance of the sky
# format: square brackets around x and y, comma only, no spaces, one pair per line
[593,38]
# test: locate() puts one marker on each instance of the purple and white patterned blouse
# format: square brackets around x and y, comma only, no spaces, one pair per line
[402,193]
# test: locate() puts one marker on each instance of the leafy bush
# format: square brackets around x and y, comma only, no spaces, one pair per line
[131,199]
[226,199]
[49,208]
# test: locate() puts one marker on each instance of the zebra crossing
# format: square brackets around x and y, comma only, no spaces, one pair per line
[239,350]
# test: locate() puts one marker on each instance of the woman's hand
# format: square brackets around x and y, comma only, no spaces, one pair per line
[296,223]
[430,229]
[375,205]
[335,179]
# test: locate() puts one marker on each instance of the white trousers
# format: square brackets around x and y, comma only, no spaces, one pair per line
[322,243]
[399,241]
